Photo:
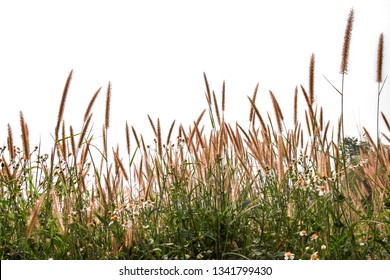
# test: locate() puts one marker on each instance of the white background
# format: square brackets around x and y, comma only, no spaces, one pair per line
[155,52]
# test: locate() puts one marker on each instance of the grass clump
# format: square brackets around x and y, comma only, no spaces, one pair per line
[219,192]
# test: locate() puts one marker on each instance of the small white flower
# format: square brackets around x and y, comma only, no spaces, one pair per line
[323,247]
[127,224]
[289,256]
[322,190]
[148,204]
[314,236]
[303,233]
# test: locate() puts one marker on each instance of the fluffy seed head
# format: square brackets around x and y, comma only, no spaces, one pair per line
[347,41]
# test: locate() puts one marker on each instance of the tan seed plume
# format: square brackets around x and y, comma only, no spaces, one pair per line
[33,218]
[311,78]
[379,60]
[25,137]
[62,104]
[108,103]
[10,143]
[347,41]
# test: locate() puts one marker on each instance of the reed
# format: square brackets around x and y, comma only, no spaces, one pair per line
[25,137]
[311,79]
[108,107]
[62,104]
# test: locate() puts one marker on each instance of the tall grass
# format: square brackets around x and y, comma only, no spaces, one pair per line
[262,192]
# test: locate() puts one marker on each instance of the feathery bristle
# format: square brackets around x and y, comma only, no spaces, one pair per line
[311,78]
[159,142]
[127,138]
[296,106]
[62,104]
[10,143]
[25,137]
[380,59]
[252,113]
[108,103]
[347,41]
[32,220]
[89,108]
[278,111]
[386,121]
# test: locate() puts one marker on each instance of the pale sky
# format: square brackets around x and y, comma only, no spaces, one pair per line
[155,52]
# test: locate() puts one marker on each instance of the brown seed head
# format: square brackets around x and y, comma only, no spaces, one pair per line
[347,41]
[380,60]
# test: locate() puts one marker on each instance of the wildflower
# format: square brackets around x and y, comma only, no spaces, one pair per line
[314,236]
[323,247]
[148,204]
[289,256]
[113,218]
[302,183]
[127,224]
[303,233]
[322,190]
[199,256]
[314,256]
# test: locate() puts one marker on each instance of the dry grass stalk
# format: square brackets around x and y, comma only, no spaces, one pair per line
[278,111]
[89,108]
[311,79]
[368,136]
[347,41]
[7,168]
[108,104]
[62,104]
[170,132]
[136,137]
[386,121]
[33,218]
[10,143]
[323,166]
[152,125]
[223,100]
[129,238]
[208,94]
[308,124]
[63,141]
[159,141]
[25,137]
[72,142]
[280,146]
[127,138]
[256,111]
[120,164]
[216,109]
[84,131]
[379,60]
[56,211]
[104,132]
[252,113]
[296,107]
